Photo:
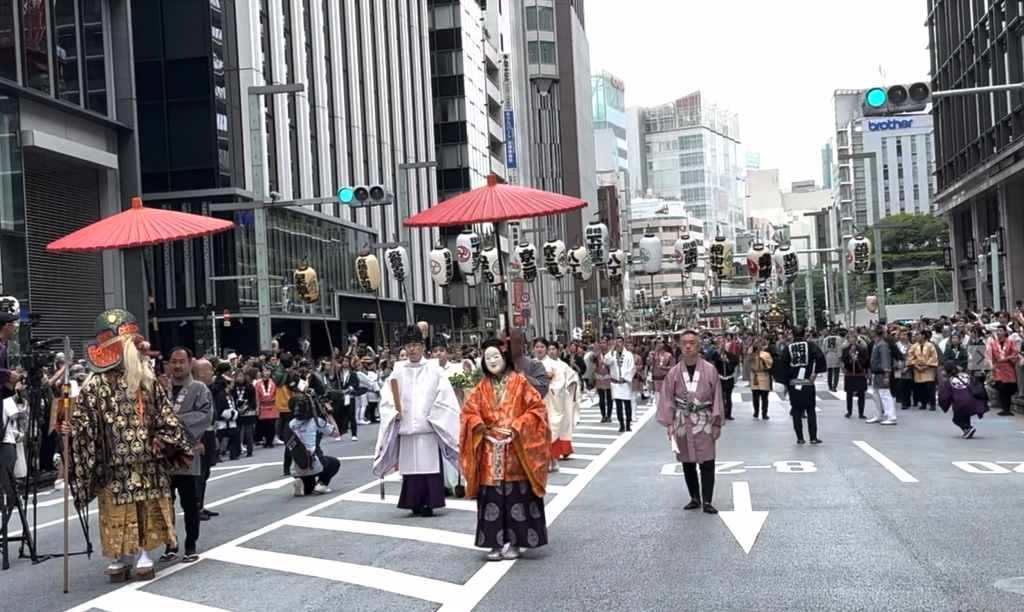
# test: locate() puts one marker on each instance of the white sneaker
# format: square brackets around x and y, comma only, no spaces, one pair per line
[355,439]
[872,420]
[888,422]
[299,488]
[321,489]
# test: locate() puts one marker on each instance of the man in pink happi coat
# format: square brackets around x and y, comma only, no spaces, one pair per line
[691,408]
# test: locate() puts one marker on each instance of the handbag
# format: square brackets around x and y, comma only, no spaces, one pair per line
[977,390]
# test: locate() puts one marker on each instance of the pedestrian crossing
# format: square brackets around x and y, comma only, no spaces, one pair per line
[342,539]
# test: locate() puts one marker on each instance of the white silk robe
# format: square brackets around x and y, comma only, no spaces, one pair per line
[562,399]
[625,372]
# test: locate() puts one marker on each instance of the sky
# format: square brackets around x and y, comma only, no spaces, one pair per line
[774,62]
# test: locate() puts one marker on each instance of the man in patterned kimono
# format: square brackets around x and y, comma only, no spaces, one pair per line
[505,452]
[420,430]
[690,407]
[798,367]
[125,436]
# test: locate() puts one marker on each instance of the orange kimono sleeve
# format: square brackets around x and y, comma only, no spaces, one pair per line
[533,437]
[470,440]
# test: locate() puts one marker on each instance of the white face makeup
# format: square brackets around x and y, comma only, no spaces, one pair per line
[494,360]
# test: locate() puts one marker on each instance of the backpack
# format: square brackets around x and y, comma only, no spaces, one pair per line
[302,457]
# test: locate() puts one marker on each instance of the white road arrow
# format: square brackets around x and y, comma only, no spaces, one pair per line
[742,521]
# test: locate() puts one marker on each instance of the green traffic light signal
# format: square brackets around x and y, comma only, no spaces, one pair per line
[346,195]
[876,98]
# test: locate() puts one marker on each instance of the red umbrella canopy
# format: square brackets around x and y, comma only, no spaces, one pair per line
[495,203]
[138,227]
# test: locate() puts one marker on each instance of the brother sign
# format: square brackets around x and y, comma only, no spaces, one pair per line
[891,124]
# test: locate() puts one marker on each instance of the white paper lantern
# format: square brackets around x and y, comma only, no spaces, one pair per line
[368,271]
[468,247]
[490,266]
[615,277]
[787,264]
[616,260]
[703,300]
[687,251]
[598,243]
[748,304]
[760,265]
[441,265]
[555,258]
[666,301]
[858,254]
[398,262]
[580,264]
[872,304]
[526,253]
[825,314]
[650,253]
[720,257]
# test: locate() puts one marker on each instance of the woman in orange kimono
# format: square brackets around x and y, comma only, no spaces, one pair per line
[505,451]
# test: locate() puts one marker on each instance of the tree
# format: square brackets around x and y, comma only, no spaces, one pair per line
[912,257]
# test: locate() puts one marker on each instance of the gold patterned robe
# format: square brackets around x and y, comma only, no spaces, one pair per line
[115,459]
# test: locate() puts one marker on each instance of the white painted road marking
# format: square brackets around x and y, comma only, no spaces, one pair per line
[887,463]
[744,523]
[403,532]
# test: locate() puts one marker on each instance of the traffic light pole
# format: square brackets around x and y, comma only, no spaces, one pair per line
[872,158]
[259,212]
[403,231]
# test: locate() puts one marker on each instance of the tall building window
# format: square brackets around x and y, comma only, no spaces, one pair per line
[270,151]
[546,19]
[9,59]
[95,56]
[220,94]
[531,18]
[533,52]
[547,52]
[66,28]
[289,77]
[36,45]
[329,68]
[314,159]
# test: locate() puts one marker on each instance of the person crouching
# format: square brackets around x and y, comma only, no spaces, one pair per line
[312,470]
[956,393]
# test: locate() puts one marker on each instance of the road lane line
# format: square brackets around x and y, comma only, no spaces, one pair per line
[403,532]
[487,578]
[887,463]
[133,600]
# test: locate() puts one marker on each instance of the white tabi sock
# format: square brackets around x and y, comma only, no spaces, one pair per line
[144,560]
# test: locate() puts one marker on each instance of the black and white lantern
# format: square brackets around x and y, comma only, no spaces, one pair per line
[759,263]
[580,264]
[650,253]
[703,300]
[555,258]
[368,271]
[526,253]
[441,265]
[687,252]
[398,262]
[616,264]
[666,302]
[858,254]
[748,304]
[787,264]
[490,266]
[720,257]
[598,243]
[561,310]
[468,248]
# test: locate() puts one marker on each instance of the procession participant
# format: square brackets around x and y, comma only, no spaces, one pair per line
[124,437]
[692,410]
[661,362]
[439,353]
[602,379]
[1003,356]
[621,368]
[725,363]
[923,358]
[956,393]
[559,401]
[760,377]
[832,348]
[505,450]
[856,358]
[532,369]
[420,430]
[882,360]
[799,365]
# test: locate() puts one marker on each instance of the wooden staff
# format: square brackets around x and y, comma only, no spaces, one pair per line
[395,394]
[65,404]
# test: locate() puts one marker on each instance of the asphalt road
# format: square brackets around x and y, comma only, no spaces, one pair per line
[902,518]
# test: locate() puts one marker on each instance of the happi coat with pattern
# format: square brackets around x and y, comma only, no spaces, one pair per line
[695,440]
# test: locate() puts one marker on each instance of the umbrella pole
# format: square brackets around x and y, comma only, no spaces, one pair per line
[507,285]
[327,328]
[380,317]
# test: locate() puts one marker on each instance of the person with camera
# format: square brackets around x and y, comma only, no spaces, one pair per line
[312,469]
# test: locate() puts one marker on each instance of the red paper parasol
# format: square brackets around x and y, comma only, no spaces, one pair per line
[138,227]
[495,203]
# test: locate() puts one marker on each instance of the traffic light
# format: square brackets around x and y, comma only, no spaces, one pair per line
[884,101]
[365,195]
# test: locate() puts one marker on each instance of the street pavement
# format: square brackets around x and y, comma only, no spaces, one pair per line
[902,518]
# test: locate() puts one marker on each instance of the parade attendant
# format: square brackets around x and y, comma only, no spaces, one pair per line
[562,401]
[965,395]
[798,367]
[760,377]
[603,379]
[1003,356]
[532,369]
[505,454]
[831,346]
[420,430]
[124,437]
[692,410]
[856,358]
[621,368]
[725,362]
[440,355]
[661,362]
[923,358]
[882,360]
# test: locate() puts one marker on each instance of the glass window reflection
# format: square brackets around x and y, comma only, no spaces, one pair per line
[95,59]
[36,44]
[66,28]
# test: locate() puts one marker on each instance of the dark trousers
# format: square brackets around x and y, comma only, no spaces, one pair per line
[797,412]
[285,433]
[760,403]
[628,405]
[833,378]
[727,386]
[963,424]
[207,460]
[370,414]
[1006,392]
[907,392]
[186,488]
[245,433]
[604,398]
[345,416]
[849,402]
[705,483]
[331,468]
[231,439]
[925,393]
[47,449]
[265,432]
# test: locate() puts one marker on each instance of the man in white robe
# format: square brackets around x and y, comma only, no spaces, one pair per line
[452,482]
[562,384]
[420,431]
[622,369]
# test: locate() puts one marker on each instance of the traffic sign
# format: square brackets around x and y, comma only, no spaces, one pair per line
[524,298]
[526,313]
[227,318]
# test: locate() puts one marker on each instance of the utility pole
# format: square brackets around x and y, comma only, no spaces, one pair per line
[256,121]
[403,231]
